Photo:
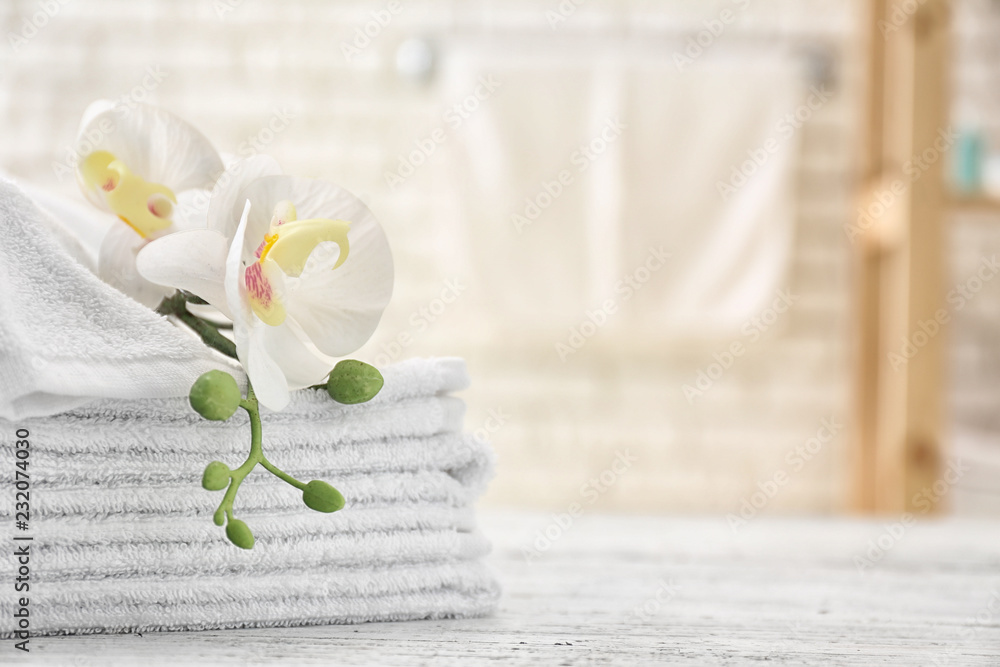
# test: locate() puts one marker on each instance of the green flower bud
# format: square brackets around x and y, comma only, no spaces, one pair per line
[322,497]
[353,381]
[216,476]
[215,395]
[239,534]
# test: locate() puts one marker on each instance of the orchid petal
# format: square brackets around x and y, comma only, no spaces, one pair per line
[191,211]
[265,375]
[93,110]
[339,309]
[226,206]
[301,363]
[153,143]
[194,261]
[116,266]
[239,307]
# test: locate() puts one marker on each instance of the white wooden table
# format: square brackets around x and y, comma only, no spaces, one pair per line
[632,591]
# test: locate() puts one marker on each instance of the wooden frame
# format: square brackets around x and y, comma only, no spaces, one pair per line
[898,449]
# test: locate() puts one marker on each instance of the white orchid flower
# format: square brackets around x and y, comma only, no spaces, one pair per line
[140,159]
[300,265]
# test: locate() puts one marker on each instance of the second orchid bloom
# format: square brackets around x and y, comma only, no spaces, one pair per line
[300,265]
[141,163]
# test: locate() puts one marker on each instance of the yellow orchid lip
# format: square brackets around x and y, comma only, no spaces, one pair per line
[285,250]
[294,241]
[144,206]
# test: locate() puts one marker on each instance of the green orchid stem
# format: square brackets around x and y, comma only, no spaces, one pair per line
[176,305]
[281,474]
[256,456]
[192,298]
[198,301]
[209,334]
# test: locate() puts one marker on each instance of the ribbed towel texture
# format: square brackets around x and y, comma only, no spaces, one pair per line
[123,533]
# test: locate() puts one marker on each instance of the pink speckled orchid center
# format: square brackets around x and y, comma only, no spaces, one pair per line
[284,251]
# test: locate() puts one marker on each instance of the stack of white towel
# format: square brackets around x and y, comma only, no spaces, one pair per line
[124,538]
[123,532]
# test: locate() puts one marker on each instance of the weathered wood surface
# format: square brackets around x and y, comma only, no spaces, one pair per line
[633,591]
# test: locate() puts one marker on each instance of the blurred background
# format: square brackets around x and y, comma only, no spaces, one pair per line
[633,219]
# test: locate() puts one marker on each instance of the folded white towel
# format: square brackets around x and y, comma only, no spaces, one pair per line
[71,533]
[123,533]
[77,226]
[124,539]
[111,469]
[302,552]
[321,595]
[66,337]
